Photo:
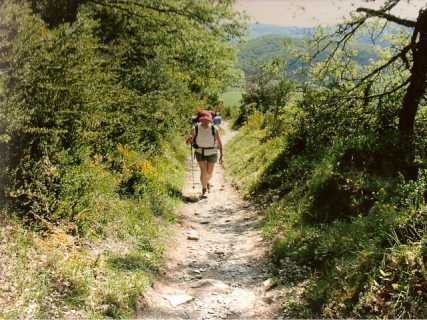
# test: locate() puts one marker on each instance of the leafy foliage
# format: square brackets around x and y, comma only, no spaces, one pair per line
[109,78]
[326,174]
[94,98]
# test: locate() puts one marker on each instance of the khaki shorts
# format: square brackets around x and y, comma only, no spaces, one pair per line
[210,158]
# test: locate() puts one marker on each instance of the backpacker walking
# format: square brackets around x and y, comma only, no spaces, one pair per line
[206,141]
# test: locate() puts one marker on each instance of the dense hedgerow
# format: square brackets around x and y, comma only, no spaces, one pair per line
[79,90]
[94,101]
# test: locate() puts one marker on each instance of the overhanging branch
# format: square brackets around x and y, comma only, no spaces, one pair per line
[387,16]
[161,9]
[401,54]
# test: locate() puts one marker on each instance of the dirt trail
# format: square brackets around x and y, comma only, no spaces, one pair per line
[223,272]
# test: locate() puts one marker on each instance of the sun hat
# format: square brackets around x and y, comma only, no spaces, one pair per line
[205,115]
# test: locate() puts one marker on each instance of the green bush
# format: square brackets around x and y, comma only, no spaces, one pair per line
[336,213]
[80,84]
[94,101]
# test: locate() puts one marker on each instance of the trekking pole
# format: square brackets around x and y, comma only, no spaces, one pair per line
[192,166]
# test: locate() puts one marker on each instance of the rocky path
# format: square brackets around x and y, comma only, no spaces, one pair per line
[217,266]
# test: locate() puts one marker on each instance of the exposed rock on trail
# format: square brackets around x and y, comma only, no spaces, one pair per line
[222,273]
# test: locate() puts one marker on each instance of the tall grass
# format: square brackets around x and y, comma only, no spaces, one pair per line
[106,246]
[353,244]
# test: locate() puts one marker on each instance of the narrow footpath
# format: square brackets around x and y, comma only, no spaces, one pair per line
[216,263]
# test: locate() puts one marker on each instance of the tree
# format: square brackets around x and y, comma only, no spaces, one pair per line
[85,77]
[412,57]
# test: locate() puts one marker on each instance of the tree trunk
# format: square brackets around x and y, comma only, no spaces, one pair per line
[412,98]
[55,12]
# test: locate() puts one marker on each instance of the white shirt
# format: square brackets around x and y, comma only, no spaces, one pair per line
[205,139]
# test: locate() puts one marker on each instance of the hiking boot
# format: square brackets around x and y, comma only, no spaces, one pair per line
[203,193]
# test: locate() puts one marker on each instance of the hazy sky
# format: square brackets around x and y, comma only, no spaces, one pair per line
[305,13]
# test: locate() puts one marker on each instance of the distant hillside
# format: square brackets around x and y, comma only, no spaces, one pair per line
[258,30]
[263,49]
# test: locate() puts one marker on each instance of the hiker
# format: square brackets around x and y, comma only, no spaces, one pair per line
[206,141]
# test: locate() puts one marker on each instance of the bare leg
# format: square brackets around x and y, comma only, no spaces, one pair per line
[210,168]
[203,174]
